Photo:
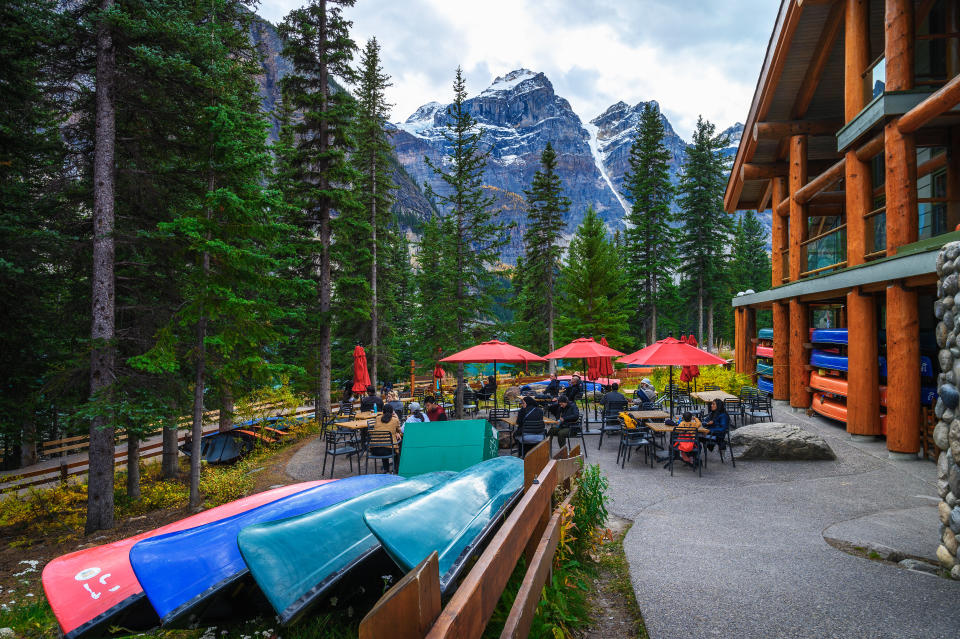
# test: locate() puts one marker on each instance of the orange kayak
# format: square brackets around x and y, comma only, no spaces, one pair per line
[838,386]
[838,410]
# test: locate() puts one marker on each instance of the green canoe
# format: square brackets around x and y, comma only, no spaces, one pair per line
[764,369]
[295,561]
[453,518]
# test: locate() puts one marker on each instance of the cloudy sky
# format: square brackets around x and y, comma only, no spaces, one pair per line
[692,56]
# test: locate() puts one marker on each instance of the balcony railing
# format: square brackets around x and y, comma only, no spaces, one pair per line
[826,251]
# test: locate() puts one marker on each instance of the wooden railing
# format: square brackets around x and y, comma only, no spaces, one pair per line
[412,607]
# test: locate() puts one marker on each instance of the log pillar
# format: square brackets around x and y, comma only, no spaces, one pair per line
[779,239]
[740,340]
[859,186]
[781,351]
[750,329]
[798,212]
[799,335]
[863,373]
[903,371]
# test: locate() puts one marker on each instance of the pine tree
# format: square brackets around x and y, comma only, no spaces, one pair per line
[593,286]
[470,239]
[706,227]
[750,261]
[373,163]
[649,238]
[317,43]
[546,208]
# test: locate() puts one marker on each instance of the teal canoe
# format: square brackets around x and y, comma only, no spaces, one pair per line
[764,369]
[296,561]
[454,518]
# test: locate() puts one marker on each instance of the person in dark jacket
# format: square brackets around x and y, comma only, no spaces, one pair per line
[371,399]
[614,396]
[569,418]
[718,421]
[553,388]
[575,390]
[530,413]
[489,389]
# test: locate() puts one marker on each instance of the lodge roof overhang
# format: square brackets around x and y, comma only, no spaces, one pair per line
[802,79]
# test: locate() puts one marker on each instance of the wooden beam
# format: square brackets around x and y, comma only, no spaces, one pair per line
[856,56]
[872,148]
[763,171]
[931,165]
[764,202]
[786,129]
[820,183]
[936,104]
[821,53]
[798,212]
[903,370]
[898,44]
[829,197]
[799,335]
[900,157]
[778,236]
[859,200]
[923,10]
[863,375]
[781,351]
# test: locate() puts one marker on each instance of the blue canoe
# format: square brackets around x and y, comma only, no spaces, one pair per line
[829,336]
[926,366]
[198,575]
[835,362]
[454,518]
[765,385]
[765,333]
[297,561]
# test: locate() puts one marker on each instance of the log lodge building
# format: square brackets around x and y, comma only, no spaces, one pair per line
[853,142]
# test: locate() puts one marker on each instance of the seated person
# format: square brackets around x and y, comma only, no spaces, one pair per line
[529,412]
[434,410]
[569,418]
[416,415]
[393,400]
[553,388]
[614,396]
[387,422]
[371,400]
[646,392]
[718,421]
[689,423]
[575,390]
[489,389]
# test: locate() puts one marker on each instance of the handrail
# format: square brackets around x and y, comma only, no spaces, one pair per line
[824,268]
[824,234]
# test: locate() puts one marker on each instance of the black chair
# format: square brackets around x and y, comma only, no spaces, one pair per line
[470,401]
[711,387]
[529,435]
[346,408]
[576,431]
[379,446]
[683,436]
[497,417]
[630,438]
[722,443]
[611,422]
[340,443]
[761,408]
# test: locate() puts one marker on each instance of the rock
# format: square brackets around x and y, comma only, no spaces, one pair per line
[948,415]
[780,441]
[947,560]
[950,499]
[953,477]
[918,566]
[7,632]
[950,541]
[940,435]
[952,250]
[943,467]
[946,359]
[941,333]
[943,488]
[511,394]
[947,302]
[954,519]
[955,446]
[949,285]
[950,396]
[938,408]
[956,368]
[944,511]
[938,309]
[955,572]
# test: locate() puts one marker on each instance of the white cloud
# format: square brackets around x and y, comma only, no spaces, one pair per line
[701,58]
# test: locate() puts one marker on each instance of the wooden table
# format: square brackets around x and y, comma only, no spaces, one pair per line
[512,420]
[641,415]
[709,396]
[356,423]
[666,428]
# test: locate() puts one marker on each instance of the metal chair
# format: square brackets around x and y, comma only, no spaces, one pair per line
[630,438]
[346,409]
[529,435]
[612,423]
[722,443]
[761,408]
[686,435]
[380,446]
[340,443]
[496,416]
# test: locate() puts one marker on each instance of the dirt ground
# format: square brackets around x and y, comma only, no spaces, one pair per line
[615,611]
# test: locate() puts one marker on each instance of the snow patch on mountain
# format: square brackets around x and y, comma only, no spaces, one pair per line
[592,131]
[509,82]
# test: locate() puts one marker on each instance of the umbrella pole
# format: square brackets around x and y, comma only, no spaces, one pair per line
[586,409]
[670,393]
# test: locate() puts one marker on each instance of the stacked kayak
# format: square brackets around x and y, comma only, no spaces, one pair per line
[765,360]
[454,518]
[198,575]
[95,588]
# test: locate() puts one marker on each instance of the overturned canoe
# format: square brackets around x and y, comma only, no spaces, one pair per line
[222,448]
[453,518]
[95,588]
[198,575]
[765,369]
[765,385]
[837,410]
[296,561]
[764,351]
[765,333]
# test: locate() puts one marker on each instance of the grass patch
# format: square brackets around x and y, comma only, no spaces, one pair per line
[613,561]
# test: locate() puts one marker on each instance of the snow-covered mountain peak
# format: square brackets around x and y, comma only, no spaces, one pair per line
[518,79]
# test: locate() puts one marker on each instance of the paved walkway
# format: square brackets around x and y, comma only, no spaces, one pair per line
[741,552]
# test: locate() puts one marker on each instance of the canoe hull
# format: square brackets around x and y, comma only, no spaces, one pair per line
[296,562]
[188,587]
[765,385]
[107,592]
[838,411]
[764,351]
[454,519]
[765,333]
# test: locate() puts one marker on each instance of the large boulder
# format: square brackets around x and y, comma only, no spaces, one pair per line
[780,441]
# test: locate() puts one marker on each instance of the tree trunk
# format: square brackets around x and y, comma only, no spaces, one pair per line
[652,334]
[374,337]
[169,465]
[133,466]
[699,311]
[199,382]
[709,345]
[323,343]
[226,409]
[550,342]
[459,394]
[28,443]
[100,455]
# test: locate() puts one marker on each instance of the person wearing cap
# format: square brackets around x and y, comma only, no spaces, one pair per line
[416,415]
[371,399]
[435,411]
[569,418]
[647,390]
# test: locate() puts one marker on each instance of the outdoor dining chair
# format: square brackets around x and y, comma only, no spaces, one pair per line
[346,408]
[379,446]
[678,436]
[470,401]
[340,443]
[721,443]
[529,435]
[639,437]
[496,416]
[761,408]
[611,422]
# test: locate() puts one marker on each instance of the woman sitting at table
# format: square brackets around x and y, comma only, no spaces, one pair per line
[718,421]
[529,412]
[387,422]
[569,419]
[394,400]
[488,390]
[416,415]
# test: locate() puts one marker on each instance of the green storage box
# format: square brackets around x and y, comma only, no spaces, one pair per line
[451,445]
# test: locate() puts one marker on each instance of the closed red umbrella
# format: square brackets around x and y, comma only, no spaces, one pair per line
[671,352]
[361,378]
[689,373]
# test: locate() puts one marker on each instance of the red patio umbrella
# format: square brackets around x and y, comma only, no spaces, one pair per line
[671,352]
[584,348]
[492,351]
[361,378]
[604,365]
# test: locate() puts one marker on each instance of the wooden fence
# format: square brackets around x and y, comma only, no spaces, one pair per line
[412,608]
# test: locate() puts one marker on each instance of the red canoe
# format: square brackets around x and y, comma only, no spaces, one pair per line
[764,351]
[95,588]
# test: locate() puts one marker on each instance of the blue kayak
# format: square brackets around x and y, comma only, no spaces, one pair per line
[766,370]
[765,385]
[926,366]
[454,518]
[765,333]
[296,561]
[830,361]
[198,575]
[829,336]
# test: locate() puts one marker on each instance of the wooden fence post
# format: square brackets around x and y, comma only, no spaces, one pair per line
[409,608]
